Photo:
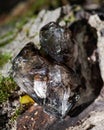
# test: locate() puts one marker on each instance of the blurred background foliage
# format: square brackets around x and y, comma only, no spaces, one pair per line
[12,9]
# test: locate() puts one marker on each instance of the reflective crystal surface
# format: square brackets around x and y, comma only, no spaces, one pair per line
[57,42]
[49,84]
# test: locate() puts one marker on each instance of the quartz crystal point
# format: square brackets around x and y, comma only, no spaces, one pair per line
[49,84]
[58,43]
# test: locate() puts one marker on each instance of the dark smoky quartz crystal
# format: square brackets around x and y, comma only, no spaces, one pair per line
[63,76]
[58,43]
[49,84]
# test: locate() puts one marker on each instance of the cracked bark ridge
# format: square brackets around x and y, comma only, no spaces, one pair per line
[34,118]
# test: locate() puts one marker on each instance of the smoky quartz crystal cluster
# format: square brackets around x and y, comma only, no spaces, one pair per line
[49,74]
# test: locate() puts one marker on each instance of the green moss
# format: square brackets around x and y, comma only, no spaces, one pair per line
[19,111]
[70,19]
[4,58]
[7,39]
[16,113]
[7,86]
[9,36]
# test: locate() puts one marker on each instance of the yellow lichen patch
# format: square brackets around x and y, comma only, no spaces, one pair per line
[26,99]
[7,88]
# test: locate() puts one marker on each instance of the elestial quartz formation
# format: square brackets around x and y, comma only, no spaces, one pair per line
[58,43]
[52,85]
